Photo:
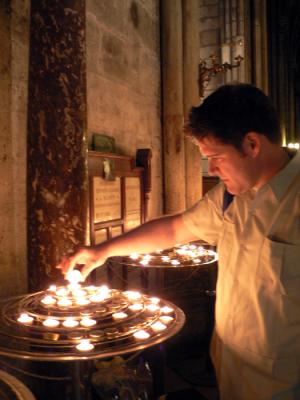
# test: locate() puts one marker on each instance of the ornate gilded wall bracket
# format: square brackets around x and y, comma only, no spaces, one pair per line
[210,67]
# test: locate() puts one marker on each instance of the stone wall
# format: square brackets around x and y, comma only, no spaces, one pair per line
[123,80]
[14,26]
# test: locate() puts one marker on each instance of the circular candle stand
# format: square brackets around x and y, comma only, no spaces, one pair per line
[76,323]
[185,274]
[188,255]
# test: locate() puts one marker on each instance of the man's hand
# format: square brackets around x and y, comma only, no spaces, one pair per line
[89,257]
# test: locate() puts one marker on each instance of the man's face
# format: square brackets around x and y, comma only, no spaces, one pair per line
[235,168]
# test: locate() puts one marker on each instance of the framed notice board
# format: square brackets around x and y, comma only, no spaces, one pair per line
[119,187]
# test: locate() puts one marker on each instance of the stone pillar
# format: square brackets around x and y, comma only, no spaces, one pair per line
[173,139]
[57,153]
[191,17]
[13,113]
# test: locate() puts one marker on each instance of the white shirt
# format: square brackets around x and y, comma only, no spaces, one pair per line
[256,345]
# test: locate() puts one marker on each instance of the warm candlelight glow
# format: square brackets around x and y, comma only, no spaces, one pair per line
[134,256]
[82,301]
[97,298]
[25,319]
[141,335]
[91,289]
[165,258]
[62,292]
[119,315]
[51,322]
[144,262]
[73,287]
[104,291]
[166,310]
[87,322]
[52,288]
[85,345]
[136,307]
[132,295]
[74,276]
[158,326]
[70,323]
[154,300]
[152,307]
[64,302]
[79,293]
[48,300]
[166,319]
[175,262]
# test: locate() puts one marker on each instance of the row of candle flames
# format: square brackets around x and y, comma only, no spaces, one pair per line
[189,252]
[74,296]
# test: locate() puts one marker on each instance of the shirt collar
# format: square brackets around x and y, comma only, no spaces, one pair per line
[281,181]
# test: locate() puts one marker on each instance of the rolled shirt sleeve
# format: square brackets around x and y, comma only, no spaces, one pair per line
[204,219]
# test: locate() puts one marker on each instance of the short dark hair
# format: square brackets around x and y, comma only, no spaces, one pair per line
[232,111]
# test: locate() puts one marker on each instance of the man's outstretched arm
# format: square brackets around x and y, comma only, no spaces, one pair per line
[160,233]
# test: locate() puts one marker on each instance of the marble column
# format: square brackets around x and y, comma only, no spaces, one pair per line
[57,151]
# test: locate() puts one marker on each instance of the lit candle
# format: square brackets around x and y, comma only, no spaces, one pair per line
[79,293]
[181,252]
[152,307]
[141,335]
[51,323]
[132,295]
[48,300]
[91,289]
[74,286]
[175,262]
[74,276]
[70,323]
[154,300]
[166,319]
[87,322]
[25,319]
[85,345]
[104,291]
[64,302]
[119,315]
[158,326]
[62,292]
[134,256]
[82,301]
[166,310]
[136,306]
[97,298]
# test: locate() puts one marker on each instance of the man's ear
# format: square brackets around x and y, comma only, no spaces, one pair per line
[252,144]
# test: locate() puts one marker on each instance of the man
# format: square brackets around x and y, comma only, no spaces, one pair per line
[256,343]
